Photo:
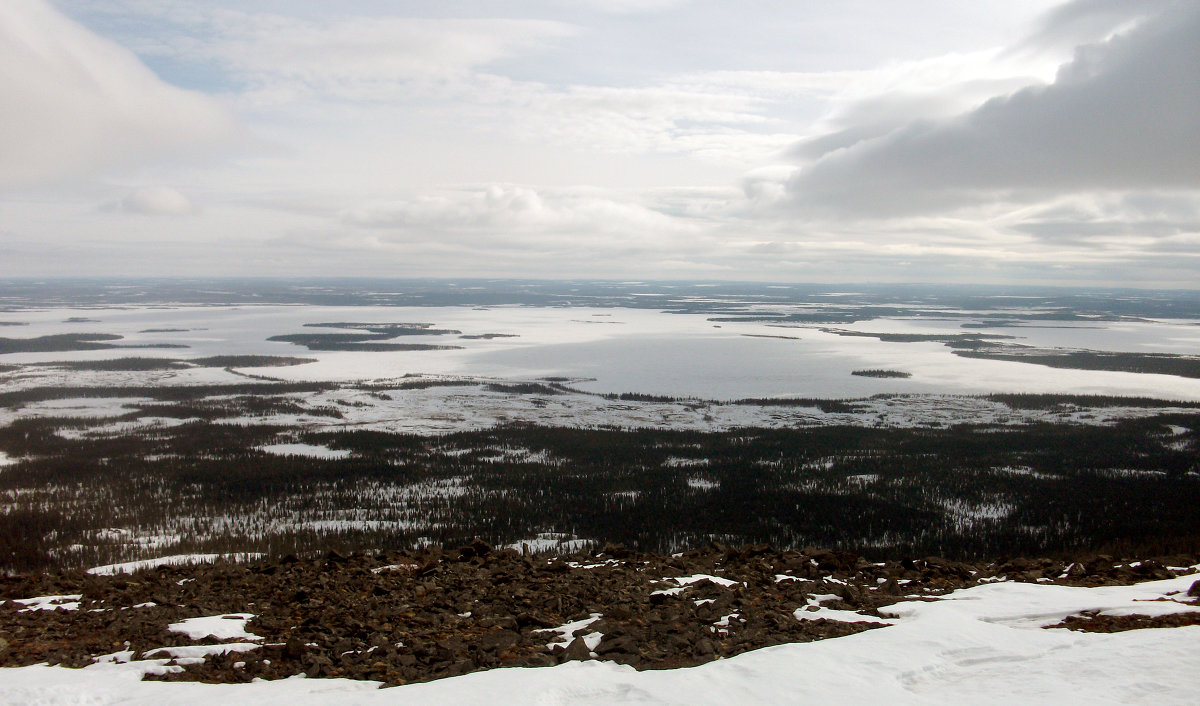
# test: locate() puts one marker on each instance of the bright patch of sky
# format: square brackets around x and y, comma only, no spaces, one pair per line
[1028,141]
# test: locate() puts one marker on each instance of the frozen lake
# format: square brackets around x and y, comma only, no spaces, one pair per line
[625,349]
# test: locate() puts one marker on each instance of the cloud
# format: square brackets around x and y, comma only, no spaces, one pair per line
[1112,220]
[502,212]
[75,104]
[1087,21]
[351,57]
[627,7]
[156,201]
[1123,114]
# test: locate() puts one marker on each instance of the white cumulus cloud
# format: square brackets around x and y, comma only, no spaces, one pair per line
[75,104]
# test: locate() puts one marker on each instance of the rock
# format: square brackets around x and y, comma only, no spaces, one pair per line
[577,650]
[540,659]
[535,619]
[1194,591]
[498,640]
[294,648]
[623,644]
[616,551]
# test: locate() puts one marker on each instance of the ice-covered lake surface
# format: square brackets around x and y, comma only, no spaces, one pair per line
[679,340]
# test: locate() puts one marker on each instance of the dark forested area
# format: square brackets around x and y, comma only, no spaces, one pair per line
[74,499]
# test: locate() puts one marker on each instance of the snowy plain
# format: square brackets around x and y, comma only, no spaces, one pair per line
[980,645]
[593,351]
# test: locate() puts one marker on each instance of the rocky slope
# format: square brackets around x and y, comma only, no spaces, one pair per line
[406,617]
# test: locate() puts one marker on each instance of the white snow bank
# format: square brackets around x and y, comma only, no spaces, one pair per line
[697,578]
[1026,605]
[566,632]
[551,543]
[816,611]
[980,645]
[64,602]
[112,684]
[84,407]
[231,626]
[199,652]
[682,582]
[173,560]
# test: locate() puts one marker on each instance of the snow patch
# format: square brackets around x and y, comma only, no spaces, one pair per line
[231,626]
[63,602]
[550,543]
[90,407]
[682,582]
[309,450]
[815,611]
[129,567]
[566,632]
[195,654]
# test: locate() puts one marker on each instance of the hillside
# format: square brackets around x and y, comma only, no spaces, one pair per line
[911,631]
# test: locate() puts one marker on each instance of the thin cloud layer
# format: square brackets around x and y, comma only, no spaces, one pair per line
[506,212]
[369,58]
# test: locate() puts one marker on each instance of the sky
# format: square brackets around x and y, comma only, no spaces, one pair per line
[997,141]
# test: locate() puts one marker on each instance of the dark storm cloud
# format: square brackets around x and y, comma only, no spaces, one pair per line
[1123,114]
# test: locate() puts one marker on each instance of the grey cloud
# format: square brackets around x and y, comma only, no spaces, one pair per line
[1087,21]
[1139,214]
[156,201]
[1080,232]
[879,115]
[1122,115]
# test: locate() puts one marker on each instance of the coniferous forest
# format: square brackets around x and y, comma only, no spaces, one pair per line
[75,500]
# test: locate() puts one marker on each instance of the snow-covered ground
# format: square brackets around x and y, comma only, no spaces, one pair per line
[444,410]
[310,450]
[173,560]
[981,645]
[548,542]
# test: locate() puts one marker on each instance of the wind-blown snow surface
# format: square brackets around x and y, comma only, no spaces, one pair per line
[979,645]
